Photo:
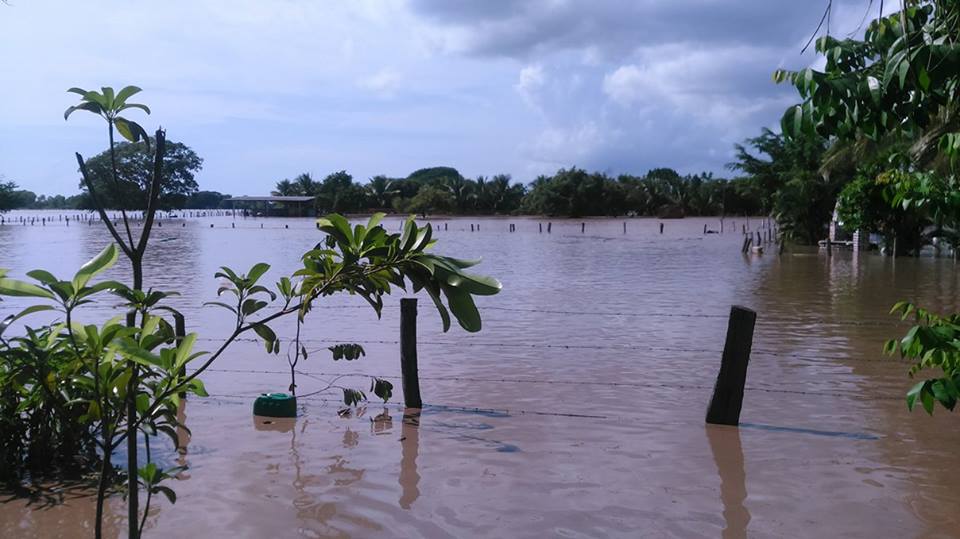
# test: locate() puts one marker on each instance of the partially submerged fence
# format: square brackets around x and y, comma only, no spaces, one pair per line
[727,392]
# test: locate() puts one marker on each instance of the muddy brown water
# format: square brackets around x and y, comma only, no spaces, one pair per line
[577,411]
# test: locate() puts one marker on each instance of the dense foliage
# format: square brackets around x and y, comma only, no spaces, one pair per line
[570,192]
[132,167]
[72,393]
[8,199]
[889,104]
[787,176]
[934,343]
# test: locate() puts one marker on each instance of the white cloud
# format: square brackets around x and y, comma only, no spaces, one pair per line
[625,85]
[532,80]
[564,146]
[383,83]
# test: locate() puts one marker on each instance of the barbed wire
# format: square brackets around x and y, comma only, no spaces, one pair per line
[715,352]
[645,385]
[443,407]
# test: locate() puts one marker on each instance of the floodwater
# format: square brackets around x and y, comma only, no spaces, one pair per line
[578,411]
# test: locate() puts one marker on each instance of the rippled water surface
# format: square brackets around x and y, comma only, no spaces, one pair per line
[576,412]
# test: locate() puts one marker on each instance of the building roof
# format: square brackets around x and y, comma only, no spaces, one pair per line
[270,199]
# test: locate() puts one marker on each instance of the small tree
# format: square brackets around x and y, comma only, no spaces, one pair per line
[133,166]
[121,380]
[8,200]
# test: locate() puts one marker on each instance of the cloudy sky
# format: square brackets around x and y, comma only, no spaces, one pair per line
[264,90]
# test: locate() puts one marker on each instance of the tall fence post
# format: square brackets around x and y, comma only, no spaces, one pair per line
[728,391]
[408,353]
[180,331]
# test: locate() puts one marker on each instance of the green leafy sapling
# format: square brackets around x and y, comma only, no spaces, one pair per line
[934,343]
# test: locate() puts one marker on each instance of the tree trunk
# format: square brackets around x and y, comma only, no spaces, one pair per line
[102,487]
[133,487]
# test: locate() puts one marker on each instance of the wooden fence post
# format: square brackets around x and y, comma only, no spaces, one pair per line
[408,353]
[728,391]
[180,331]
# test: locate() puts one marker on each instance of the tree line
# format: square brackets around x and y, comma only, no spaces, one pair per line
[572,192]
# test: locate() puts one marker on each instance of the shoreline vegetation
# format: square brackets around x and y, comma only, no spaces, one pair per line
[573,192]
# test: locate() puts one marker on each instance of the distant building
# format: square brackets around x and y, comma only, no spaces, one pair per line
[858,240]
[275,206]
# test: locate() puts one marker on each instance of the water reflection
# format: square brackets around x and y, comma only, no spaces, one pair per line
[410,449]
[728,456]
[183,439]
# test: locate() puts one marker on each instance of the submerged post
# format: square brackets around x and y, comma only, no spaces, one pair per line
[728,391]
[180,331]
[408,353]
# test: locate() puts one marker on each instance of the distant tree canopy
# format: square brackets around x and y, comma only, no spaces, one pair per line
[134,168]
[790,182]
[8,200]
[570,192]
[206,200]
[881,121]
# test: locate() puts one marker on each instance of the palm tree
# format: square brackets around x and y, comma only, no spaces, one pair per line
[460,188]
[284,188]
[382,190]
[306,186]
[497,192]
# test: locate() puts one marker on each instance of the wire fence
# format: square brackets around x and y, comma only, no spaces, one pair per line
[319,343]
[538,381]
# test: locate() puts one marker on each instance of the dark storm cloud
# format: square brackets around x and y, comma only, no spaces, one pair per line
[626,85]
[519,28]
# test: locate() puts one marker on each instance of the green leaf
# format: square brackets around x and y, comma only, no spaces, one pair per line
[44,277]
[381,388]
[267,334]
[144,108]
[166,491]
[28,311]
[131,350]
[88,106]
[924,79]
[12,287]
[927,398]
[251,306]
[125,94]
[874,86]
[223,305]
[183,350]
[913,394]
[375,220]
[196,386]
[132,131]
[257,271]
[107,93]
[105,259]
[228,274]
[463,308]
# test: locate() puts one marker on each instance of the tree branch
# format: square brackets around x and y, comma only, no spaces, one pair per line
[161,139]
[103,213]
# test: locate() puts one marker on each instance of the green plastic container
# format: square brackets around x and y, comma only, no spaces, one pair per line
[275,405]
